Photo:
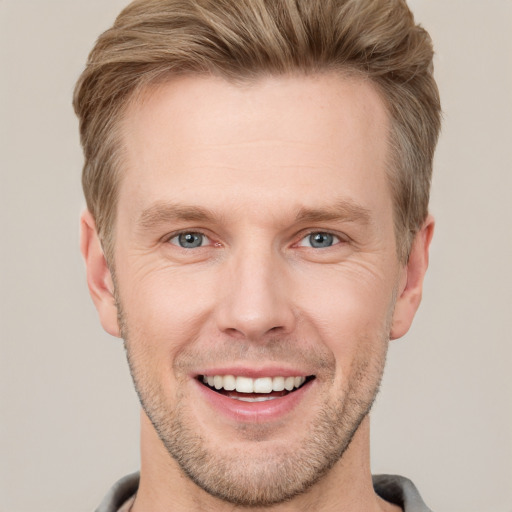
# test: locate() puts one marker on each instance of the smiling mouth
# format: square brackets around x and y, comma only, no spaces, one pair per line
[247,389]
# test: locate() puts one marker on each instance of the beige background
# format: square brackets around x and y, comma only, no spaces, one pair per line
[69,417]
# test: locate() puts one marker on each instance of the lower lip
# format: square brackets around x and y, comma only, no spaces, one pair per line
[254,412]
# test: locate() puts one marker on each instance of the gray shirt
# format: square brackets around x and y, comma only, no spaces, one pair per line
[395,489]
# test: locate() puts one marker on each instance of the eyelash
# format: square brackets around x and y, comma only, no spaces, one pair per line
[337,239]
[188,232]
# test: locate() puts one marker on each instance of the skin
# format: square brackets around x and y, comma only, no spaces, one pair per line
[270,163]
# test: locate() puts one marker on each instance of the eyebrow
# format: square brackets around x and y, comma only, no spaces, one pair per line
[163,213]
[345,210]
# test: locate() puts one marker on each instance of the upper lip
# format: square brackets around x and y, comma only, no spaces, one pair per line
[253,372]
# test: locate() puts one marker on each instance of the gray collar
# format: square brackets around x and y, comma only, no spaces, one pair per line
[395,489]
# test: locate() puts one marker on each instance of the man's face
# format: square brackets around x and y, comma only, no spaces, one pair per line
[255,247]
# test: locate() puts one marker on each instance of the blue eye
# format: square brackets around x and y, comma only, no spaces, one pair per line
[319,240]
[189,240]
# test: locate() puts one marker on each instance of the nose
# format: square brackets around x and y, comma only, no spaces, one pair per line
[257,296]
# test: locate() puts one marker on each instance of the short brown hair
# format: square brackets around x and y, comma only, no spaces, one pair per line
[245,39]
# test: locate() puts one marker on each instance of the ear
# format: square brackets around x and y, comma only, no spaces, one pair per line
[411,285]
[99,279]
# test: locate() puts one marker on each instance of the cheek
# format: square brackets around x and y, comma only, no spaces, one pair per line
[346,295]
[349,308]
[164,308]
[159,325]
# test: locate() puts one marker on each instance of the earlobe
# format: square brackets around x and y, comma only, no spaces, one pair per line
[99,278]
[410,292]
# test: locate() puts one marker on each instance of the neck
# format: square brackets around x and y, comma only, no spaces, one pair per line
[346,486]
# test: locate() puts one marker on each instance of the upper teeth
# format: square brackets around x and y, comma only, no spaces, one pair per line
[248,385]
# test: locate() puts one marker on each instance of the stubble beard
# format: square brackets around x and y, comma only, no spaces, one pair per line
[276,474]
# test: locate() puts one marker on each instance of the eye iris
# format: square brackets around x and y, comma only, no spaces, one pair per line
[190,240]
[320,240]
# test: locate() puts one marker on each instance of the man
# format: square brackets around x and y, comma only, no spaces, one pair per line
[257,178]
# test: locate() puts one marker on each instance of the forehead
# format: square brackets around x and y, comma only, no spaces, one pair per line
[276,140]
